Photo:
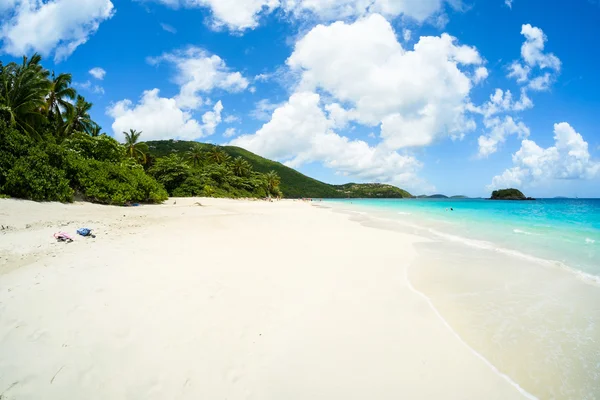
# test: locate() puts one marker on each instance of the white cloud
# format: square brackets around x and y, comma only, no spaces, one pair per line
[58,26]
[200,72]
[532,50]
[508,3]
[262,77]
[168,28]
[519,72]
[230,119]
[263,109]
[481,74]
[541,82]
[98,73]
[161,118]
[499,129]
[544,66]
[406,35]
[229,132]
[417,95]
[299,132]
[330,10]
[236,15]
[239,15]
[87,85]
[211,119]
[569,158]
[502,102]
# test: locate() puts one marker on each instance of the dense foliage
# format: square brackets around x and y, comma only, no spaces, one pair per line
[293,183]
[509,194]
[51,149]
[206,170]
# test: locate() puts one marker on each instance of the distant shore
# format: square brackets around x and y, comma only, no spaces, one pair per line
[231,299]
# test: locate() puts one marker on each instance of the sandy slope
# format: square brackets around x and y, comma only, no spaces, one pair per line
[232,300]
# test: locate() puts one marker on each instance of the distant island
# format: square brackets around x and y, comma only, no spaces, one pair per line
[440,196]
[509,194]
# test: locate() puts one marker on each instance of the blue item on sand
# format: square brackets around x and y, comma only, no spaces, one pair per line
[85,232]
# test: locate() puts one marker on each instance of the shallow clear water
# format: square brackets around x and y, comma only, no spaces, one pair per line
[519,282]
[564,230]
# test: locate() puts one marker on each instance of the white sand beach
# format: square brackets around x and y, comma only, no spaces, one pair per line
[229,300]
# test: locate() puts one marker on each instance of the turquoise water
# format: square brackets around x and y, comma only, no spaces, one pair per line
[562,230]
[518,282]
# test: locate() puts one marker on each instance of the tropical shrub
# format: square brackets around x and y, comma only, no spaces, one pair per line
[170,171]
[13,145]
[101,148]
[115,183]
[193,186]
[33,177]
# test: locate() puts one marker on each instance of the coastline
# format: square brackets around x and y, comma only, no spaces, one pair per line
[533,319]
[235,299]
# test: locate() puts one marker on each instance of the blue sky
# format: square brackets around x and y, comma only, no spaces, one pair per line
[403,92]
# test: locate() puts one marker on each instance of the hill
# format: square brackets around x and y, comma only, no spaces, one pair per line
[293,183]
[433,196]
[509,194]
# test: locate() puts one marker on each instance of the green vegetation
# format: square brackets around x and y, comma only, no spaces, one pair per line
[509,194]
[293,183]
[433,196]
[52,150]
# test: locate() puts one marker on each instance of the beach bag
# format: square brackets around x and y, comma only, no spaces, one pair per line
[85,232]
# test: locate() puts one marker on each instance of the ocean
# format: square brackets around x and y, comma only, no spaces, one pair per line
[518,282]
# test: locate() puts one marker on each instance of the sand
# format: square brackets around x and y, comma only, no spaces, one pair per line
[229,300]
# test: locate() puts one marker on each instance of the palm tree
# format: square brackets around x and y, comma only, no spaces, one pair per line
[23,91]
[218,156]
[272,182]
[78,117]
[56,102]
[241,167]
[135,149]
[95,130]
[195,155]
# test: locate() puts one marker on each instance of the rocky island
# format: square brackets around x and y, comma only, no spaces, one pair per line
[509,194]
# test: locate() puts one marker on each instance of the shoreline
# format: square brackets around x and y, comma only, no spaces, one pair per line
[234,299]
[530,318]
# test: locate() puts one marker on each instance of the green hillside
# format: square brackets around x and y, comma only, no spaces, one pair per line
[293,183]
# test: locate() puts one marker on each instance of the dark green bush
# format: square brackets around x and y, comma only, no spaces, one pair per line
[171,172]
[193,186]
[13,145]
[33,177]
[115,183]
[101,148]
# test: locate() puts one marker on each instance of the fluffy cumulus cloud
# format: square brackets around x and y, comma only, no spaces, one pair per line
[89,87]
[365,77]
[300,132]
[58,26]
[239,15]
[569,158]
[499,128]
[98,73]
[161,118]
[338,9]
[236,15]
[536,68]
[416,95]
[197,72]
